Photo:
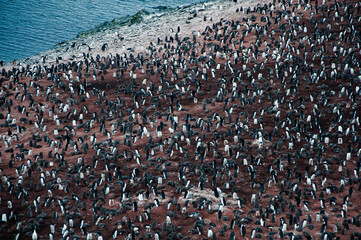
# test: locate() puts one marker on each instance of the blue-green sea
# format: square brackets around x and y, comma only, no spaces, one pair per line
[30,27]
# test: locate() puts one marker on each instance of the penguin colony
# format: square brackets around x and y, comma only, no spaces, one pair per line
[249,129]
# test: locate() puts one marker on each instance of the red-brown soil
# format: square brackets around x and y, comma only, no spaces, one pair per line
[290,121]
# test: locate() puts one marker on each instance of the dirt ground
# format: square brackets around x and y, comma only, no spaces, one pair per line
[254,123]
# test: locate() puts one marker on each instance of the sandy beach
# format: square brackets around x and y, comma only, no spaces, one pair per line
[237,121]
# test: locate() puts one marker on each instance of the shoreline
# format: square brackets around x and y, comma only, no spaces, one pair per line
[134,37]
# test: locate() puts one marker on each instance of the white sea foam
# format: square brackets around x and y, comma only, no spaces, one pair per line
[136,37]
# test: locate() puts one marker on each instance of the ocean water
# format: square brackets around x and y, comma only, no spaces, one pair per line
[30,27]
